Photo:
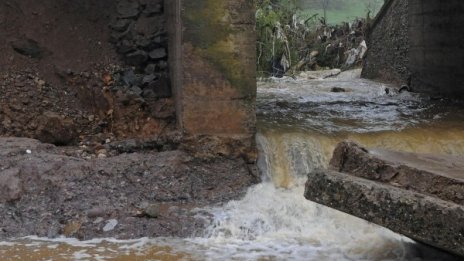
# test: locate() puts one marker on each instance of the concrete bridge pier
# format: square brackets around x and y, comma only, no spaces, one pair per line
[212,65]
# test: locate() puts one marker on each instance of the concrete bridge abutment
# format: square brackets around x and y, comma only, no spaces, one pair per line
[436,47]
[419,43]
[213,75]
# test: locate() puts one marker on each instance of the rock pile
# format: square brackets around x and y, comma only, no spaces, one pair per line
[139,35]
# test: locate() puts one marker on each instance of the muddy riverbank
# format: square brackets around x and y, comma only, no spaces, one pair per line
[50,191]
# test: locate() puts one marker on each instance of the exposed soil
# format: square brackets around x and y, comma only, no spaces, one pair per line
[57,64]
[116,167]
[50,191]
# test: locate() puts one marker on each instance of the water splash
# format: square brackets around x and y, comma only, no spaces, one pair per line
[300,123]
[363,107]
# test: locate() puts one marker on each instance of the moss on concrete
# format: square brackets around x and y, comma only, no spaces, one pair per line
[210,31]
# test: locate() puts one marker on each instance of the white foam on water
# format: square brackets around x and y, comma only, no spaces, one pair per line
[363,107]
[277,223]
[273,221]
[6,244]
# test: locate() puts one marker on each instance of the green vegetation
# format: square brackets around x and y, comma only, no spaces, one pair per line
[287,28]
[339,10]
[275,39]
[214,42]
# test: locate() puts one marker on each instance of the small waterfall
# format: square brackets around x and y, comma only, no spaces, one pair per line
[274,220]
[286,158]
[301,123]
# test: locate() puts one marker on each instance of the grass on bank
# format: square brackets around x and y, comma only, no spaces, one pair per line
[348,11]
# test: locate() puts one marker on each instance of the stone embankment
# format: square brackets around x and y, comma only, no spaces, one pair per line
[419,196]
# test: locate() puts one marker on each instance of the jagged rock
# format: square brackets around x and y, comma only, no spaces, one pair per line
[157,54]
[136,89]
[128,8]
[128,77]
[136,58]
[163,65]
[119,36]
[125,46]
[120,25]
[149,26]
[149,94]
[148,79]
[145,43]
[150,68]
[159,39]
[153,7]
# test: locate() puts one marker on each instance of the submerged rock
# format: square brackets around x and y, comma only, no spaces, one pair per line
[337,89]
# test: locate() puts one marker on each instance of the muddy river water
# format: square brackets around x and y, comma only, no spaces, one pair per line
[299,123]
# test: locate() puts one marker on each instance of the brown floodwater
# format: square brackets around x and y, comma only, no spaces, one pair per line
[300,122]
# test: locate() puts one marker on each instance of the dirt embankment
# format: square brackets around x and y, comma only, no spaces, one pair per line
[62,79]
[90,77]
[49,191]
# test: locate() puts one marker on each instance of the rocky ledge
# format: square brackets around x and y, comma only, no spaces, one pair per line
[124,193]
[419,196]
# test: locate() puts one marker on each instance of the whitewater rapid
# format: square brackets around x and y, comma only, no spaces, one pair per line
[299,123]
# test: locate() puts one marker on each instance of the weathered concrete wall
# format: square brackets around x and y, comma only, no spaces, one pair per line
[388,44]
[419,43]
[212,49]
[437,47]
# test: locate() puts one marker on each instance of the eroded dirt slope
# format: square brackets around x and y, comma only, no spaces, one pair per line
[62,80]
